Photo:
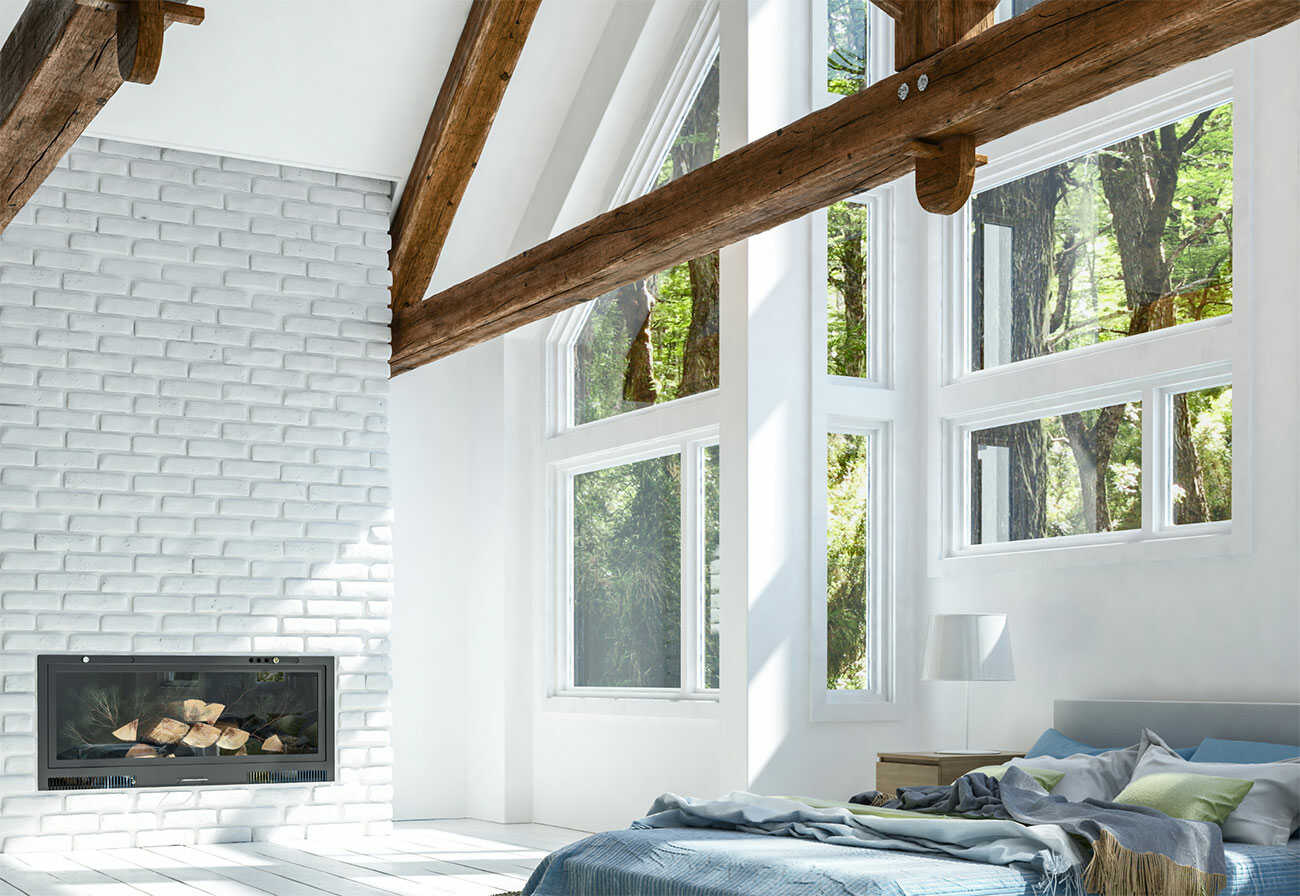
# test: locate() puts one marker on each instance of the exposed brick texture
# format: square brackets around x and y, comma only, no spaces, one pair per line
[193,438]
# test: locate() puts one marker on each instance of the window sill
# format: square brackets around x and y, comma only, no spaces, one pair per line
[668,705]
[849,706]
[1173,543]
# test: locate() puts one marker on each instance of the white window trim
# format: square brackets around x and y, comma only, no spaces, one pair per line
[683,85]
[880,703]
[1151,366]
[690,445]
[880,330]
[868,405]
[687,425]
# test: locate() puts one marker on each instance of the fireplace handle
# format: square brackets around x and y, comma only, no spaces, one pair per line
[192,781]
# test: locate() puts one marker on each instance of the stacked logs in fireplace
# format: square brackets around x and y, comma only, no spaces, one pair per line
[197,726]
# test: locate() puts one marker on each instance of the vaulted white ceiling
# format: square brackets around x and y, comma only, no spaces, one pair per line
[348,85]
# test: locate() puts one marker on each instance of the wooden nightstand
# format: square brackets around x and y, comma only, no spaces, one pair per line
[895,770]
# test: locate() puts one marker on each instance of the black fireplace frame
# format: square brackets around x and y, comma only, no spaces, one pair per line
[83,774]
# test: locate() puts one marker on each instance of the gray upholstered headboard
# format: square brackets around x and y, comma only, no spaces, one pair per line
[1115,723]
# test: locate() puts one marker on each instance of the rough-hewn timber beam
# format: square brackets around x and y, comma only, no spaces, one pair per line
[924,27]
[471,93]
[58,68]
[1061,55]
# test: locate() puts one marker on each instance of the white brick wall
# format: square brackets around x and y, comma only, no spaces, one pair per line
[193,458]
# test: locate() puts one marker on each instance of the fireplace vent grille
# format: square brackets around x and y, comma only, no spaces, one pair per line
[92,782]
[287,776]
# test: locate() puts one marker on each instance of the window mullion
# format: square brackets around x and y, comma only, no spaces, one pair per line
[690,558]
[1155,457]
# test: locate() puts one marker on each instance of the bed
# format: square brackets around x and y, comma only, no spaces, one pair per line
[705,862]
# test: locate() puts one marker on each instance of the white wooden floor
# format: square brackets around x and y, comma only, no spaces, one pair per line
[461,857]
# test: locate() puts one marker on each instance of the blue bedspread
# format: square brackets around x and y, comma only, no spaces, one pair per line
[703,862]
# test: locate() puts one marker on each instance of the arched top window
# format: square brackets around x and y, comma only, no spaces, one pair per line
[655,340]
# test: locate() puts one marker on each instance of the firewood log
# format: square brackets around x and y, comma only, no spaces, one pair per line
[272,744]
[232,738]
[142,751]
[128,731]
[212,712]
[167,731]
[198,711]
[201,735]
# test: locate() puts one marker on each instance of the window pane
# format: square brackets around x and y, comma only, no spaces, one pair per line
[1202,440]
[848,302]
[627,575]
[847,47]
[656,339]
[848,486]
[1070,474]
[1130,239]
[712,628]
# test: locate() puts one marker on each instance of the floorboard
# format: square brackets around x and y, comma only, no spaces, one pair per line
[457,857]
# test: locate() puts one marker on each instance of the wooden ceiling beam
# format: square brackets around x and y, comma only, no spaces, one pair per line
[485,58]
[924,27]
[61,63]
[1062,55]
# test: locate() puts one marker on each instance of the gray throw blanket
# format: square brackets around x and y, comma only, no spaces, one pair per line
[1135,849]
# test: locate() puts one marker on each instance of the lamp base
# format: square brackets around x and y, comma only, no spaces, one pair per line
[969,752]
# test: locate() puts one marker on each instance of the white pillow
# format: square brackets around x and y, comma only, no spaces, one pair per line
[1266,815]
[1100,777]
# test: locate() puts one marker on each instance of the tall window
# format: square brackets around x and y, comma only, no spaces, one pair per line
[848,572]
[638,532]
[656,340]
[1106,250]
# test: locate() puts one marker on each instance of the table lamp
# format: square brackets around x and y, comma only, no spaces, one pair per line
[969,647]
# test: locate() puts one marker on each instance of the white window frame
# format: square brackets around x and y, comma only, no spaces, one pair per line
[1151,367]
[869,405]
[879,701]
[880,273]
[690,446]
[687,425]
[683,86]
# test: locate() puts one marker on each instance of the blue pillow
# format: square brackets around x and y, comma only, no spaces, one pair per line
[1213,749]
[1054,743]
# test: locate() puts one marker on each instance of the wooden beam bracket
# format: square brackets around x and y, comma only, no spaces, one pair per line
[945,172]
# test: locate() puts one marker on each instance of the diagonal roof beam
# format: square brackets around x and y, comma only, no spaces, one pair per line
[471,93]
[62,62]
[1061,55]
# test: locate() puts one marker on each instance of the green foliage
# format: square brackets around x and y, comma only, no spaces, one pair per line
[1122,476]
[663,304]
[847,293]
[627,575]
[1087,300]
[1210,415]
[1124,241]
[847,570]
[712,543]
[846,44]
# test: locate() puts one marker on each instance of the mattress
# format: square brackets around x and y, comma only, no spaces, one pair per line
[702,862]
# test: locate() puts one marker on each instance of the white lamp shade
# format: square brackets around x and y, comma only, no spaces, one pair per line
[969,647]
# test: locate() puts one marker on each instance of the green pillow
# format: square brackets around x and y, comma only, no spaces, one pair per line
[1045,778]
[1189,796]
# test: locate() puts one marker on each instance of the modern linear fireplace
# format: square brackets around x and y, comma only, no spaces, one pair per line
[167,721]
